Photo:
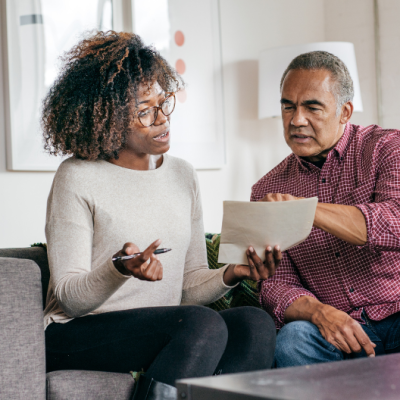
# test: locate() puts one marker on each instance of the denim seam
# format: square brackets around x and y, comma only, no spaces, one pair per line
[393,345]
[369,324]
[332,347]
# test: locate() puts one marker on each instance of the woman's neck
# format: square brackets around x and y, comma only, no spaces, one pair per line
[142,162]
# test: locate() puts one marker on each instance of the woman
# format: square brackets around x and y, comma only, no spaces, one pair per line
[110,109]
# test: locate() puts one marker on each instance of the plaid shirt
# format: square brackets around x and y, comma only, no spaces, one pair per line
[363,170]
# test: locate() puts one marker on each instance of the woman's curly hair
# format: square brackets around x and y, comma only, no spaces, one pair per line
[89,109]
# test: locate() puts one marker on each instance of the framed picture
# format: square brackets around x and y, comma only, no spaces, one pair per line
[37,33]
[187,34]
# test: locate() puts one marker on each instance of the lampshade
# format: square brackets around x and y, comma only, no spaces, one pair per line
[273,63]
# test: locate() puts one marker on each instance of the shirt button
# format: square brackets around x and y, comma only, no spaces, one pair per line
[351,290]
[337,254]
[357,308]
[323,180]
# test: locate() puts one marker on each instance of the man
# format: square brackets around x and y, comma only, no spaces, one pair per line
[336,295]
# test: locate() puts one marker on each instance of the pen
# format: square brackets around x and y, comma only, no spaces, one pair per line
[158,251]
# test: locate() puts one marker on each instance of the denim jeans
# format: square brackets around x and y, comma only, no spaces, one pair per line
[301,343]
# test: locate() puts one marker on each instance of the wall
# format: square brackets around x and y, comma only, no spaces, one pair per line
[353,21]
[389,41]
[253,146]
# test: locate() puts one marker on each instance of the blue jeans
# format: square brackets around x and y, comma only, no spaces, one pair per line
[301,343]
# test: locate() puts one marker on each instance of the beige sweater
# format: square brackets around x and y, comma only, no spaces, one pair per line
[94,207]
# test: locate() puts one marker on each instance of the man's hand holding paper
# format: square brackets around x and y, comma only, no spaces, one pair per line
[279,197]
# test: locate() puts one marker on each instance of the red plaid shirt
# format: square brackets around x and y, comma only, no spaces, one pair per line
[363,170]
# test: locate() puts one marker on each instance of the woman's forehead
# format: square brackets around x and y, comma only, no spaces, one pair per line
[149,90]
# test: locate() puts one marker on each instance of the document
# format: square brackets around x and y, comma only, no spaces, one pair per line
[259,224]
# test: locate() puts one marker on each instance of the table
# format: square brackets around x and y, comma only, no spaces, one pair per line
[366,378]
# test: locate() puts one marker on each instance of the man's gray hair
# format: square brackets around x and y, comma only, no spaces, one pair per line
[343,89]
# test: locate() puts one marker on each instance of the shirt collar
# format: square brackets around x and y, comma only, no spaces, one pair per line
[340,147]
[344,141]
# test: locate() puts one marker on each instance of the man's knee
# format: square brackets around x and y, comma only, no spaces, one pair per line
[301,343]
[295,335]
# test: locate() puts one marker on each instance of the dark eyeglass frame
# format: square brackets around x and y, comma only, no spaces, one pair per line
[169,95]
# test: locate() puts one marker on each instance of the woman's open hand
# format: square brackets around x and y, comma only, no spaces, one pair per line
[257,269]
[146,266]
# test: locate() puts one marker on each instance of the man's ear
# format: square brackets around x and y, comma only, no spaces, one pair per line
[347,112]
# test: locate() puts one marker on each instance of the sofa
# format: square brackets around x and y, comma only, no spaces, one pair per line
[24,278]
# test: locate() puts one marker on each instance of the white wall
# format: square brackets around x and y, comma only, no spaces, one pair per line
[253,146]
[389,40]
[353,21]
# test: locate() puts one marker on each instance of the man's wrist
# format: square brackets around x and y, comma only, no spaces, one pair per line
[305,308]
[317,313]
[318,216]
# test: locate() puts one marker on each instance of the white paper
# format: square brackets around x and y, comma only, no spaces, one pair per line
[259,224]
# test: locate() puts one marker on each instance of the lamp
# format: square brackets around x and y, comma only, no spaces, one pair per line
[273,63]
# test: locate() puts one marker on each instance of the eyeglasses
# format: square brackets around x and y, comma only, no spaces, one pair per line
[149,116]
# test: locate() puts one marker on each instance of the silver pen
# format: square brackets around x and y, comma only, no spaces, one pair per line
[158,251]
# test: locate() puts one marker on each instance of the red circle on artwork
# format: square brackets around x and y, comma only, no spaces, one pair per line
[180,66]
[181,95]
[179,38]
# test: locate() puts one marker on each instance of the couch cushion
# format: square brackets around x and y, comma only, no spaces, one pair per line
[22,354]
[89,385]
[37,254]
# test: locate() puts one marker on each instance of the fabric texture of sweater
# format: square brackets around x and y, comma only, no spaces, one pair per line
[94,208]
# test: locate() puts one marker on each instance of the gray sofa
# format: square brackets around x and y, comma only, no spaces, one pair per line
[24,278]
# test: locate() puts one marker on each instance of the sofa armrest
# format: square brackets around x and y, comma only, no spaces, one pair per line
[22,349]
